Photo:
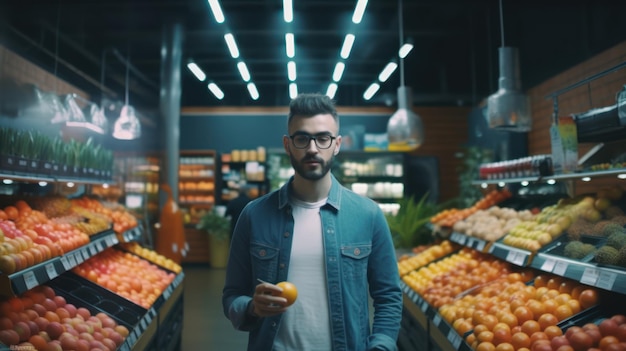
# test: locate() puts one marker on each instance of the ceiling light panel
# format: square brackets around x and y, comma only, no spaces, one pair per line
[332,90]
[338,72]
[232,45]
[213,88]
[347,46]
[291,70]
[370,91]
[288,11]
[405,50]
[197,71]
[290,45]
[359,10]
[243,71]
[254,93]
[216,9]
[387,71]
[293,90]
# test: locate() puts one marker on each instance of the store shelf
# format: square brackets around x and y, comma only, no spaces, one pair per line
[603,277]
[619,172]
[471,242]
[36,178]
[19,282]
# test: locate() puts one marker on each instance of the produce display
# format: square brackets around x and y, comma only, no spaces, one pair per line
[493,223]
[407,264]
[41,319]
[28,237]
[448,217]
[152,256]
[126,275]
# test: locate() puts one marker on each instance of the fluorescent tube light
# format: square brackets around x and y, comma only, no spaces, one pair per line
[293,90]
[197,71]
[387,71]
[371,90]
[243,71]
[338,72]
[254,94]
[232,46]
[359,11]
[405,50]
[290,45]
[291,70]
[219,94]
[287,11]
[347,46]
[217,11]
[332,90]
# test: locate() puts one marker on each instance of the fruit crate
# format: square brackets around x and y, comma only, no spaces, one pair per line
[91,294]
[557,246]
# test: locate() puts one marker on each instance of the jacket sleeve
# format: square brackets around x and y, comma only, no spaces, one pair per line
[385,290]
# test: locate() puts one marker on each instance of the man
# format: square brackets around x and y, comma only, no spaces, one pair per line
[333,244]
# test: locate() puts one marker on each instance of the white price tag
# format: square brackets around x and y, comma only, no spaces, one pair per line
[72,260]
[66,263]
[462,239]
[30,280]
[51,271]
[144,324]
[606,280]
[454,338]
[93,250]
[424,306]
[516,257]
[548,265]
[560,268]
[437,320]
[480,246]
[590,276]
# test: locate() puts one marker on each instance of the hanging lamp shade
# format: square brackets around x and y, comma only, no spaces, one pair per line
[127,126]
[508,108]
[405,130]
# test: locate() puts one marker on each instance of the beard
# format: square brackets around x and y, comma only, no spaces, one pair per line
[308,173]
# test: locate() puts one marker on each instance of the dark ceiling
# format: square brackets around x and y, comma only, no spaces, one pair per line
[454,61]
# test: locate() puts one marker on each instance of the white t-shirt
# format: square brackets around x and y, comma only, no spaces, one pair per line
[306,324]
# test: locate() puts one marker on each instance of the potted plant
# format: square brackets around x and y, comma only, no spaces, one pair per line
[409,225]
[218,229]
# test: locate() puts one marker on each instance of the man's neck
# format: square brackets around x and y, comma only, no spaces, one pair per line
[311,190]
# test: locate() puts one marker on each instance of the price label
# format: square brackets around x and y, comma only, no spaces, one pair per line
[424,306]
[590,276]
[560,268]
[548,265]
[462,239]
[167,293]
[125,347]
[516,257]
[144,323]
[30,280]
[606,280]
[93,250]
[471,242]
[66,263]
[152,312]
[51,271]
[480,246]
[72,260]
[437,320]
[454,338]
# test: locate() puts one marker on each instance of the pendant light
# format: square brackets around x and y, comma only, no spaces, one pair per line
[508,108]
[405,131]
[127,125]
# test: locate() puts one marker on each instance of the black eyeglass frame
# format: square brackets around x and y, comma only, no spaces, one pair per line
[314,138]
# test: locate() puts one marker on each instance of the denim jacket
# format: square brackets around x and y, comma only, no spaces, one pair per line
[359,255]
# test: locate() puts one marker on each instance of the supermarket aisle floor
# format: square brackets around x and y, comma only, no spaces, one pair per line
[204,325]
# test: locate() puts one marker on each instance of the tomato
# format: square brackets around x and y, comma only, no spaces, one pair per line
[580,341]
[608,327]
[289,292]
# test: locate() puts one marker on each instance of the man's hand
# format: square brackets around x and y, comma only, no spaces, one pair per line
[264,303]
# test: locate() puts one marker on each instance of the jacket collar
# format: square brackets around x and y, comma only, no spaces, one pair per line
[334,196]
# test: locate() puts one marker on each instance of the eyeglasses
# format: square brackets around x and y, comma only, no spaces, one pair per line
[302,141]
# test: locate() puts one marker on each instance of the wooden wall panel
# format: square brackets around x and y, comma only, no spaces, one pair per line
[599,93]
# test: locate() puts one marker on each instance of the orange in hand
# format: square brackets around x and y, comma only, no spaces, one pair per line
[289,292]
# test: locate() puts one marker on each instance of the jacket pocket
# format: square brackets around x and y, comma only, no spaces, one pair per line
[354,259]
[264,261]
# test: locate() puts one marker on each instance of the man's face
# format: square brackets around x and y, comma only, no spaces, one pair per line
[312,162]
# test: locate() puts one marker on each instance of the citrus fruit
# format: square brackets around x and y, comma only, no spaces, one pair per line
[289,292]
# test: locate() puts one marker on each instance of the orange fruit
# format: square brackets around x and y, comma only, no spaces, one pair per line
[553,331]
[546,320]
[530,327]
[520,340]
[12,212]
[588,298]
[289,292]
